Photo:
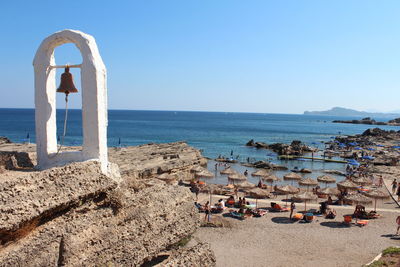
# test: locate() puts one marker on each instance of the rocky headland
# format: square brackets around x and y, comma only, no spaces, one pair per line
[369,121]
[77,216]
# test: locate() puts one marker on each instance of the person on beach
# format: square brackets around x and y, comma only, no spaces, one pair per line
[394,186]
[380,182]
[398,193]
[246,173]
[398,224]
[207,210]
[196,190]
[292,208]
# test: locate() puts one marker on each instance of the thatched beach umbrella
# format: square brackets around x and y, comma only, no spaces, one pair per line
[270,178]
[167,177]
[261,172]
[347,184]
[330,191]
[204,174]
[362,181]
[292,176]
[228,171]
[305,196]
[287,189]
[377,194]
[237,177]
[326,179]
[258,193]
[308,182]
[358,198]
[245,185]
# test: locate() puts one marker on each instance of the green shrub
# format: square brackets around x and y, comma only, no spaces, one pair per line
[391,250]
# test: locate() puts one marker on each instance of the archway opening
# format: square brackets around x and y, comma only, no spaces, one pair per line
[69,54]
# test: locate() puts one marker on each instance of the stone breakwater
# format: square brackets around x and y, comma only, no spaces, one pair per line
[76,216]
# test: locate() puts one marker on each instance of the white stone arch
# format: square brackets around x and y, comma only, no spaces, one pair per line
[94,102]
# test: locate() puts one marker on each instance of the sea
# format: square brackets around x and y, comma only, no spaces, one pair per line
[214,133]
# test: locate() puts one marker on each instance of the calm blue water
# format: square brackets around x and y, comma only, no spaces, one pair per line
[212,132]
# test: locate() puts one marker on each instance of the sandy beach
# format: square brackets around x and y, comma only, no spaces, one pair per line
[274,240]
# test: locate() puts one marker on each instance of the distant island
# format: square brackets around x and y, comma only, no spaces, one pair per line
[346,112]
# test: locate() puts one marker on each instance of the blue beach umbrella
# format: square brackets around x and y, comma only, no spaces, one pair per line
[395,146]
[368,157]
[370,148]
[358,148]
[353,144]
[342,145]
[379,145]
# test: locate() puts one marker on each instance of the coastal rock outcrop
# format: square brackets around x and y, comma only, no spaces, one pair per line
[369,121]
[4,140]
[76,216]
[295,148]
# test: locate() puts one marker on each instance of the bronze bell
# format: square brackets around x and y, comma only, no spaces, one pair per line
[67,83]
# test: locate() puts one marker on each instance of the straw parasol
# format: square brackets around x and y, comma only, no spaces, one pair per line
[362,181]
[347,184]
[308,182]
[331,191]
[305,196]
[237,177]
[287,189]
[204,174]
[358,198]
[258,193]
[271,178]
[262,172]
[376,194]
[292,176]
[167,177]
[245,185]
[326,179]
[228,171]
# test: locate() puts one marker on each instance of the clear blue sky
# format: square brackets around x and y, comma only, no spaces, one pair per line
[245,56]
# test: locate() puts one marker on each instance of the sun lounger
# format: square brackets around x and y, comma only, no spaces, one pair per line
[237,215]
[277,208]
[362,223]
[259,213]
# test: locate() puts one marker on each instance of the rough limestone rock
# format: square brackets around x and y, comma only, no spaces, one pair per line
[196,256]
[14,160]
[77,216]
[4,140]
[149,160]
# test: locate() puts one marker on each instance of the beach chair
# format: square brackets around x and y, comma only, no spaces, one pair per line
[362,223]
[237,215]
[277,208]
[259,213]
